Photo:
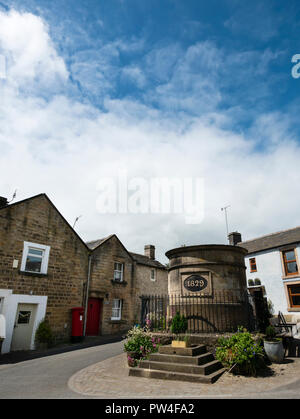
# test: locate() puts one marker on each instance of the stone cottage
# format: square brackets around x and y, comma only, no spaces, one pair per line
[43,270]
[118,279]
[46,269]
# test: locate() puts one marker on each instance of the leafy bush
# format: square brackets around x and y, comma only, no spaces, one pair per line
[240,353]
[140,342]
[179,324]
[44,333]
[250,282]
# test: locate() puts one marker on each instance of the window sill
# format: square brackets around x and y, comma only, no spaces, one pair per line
[295,309]
[32,273]
[124,283]
[291,277]
[117,321]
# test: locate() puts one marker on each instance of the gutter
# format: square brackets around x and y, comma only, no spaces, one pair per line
[87,294]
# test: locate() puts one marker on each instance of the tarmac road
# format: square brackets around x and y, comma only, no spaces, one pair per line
[47,377]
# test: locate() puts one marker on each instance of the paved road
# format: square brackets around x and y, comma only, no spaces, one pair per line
[48,377]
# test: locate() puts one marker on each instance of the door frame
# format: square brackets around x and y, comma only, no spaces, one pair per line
[9,309]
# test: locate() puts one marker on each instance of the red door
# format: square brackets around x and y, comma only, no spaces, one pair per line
[93,317]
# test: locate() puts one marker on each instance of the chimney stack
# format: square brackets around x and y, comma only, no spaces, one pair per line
[150,251]
[3,202]
[234,238]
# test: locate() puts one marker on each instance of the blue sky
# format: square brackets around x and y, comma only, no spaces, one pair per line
[159,88]
[135,49]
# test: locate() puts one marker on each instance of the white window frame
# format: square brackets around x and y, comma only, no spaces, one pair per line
[45,257]
[116,308]
[153,278]
[120,271]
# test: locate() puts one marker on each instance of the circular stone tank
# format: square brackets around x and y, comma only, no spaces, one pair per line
[207,283]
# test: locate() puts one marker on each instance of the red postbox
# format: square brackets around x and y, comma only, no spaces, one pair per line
[77,324]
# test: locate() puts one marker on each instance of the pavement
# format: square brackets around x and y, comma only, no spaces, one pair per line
[97,369]
[109,379]
[47,377]
[89,341]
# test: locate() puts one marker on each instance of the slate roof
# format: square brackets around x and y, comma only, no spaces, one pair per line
[95,243]
[144,260]
[270,241]
[140,259]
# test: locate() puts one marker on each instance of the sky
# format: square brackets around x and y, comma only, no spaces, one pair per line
[153,89]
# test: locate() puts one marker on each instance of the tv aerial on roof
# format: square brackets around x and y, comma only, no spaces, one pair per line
[226,220]
[13,197]
[77,218]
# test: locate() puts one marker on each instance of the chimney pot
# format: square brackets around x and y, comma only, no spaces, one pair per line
[234,238]
[149,251]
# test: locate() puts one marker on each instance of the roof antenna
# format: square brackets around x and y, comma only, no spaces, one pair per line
[14,195]
[225,209]
[77,218]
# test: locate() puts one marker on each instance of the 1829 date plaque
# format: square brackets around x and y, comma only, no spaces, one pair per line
[195,283]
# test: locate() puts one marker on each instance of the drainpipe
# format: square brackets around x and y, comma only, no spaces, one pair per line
[87,294]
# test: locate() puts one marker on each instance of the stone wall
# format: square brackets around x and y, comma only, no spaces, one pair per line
[145,286]
[36,220]
[103,286]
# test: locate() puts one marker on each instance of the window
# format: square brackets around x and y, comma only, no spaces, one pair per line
[253,267]
[152,276]
[294,295]
[35,258]
[290,262]
[116,309]
[118,272]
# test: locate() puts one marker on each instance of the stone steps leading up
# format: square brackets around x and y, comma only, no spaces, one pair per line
[192,364]
[192,351]
[205,369]
[181,359]
[178,376]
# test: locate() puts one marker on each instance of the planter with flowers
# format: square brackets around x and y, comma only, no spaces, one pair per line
[139,344]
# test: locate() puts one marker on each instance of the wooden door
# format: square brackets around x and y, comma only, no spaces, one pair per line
[93,324]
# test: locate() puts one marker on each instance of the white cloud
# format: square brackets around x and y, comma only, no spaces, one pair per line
[63,147]
[29,51]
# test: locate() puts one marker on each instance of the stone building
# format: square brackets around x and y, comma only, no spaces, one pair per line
[112,288]
[151,277]
[273,264]
[43,270]
[207,283]
[46,270]
[118,279]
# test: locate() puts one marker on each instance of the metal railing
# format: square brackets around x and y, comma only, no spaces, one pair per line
[223,311]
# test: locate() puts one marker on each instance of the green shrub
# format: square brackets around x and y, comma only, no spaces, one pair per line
[179,324]
[270,334]
[44,333]
[140,342]
[250,282]
[240,353]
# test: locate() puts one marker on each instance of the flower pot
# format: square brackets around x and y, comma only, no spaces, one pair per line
[132,358]
[274,350]
[179,344]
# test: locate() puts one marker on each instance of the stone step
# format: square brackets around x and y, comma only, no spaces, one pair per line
[181,359]
[177,376]
[191,351]
[205,369]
